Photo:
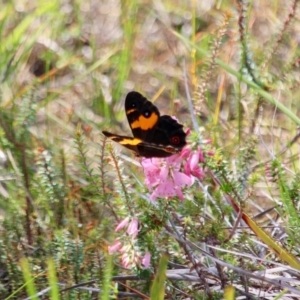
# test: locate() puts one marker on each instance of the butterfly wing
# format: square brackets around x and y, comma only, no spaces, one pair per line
[142,115]
[130,143]
[139,147]
[147,124]
[154,135]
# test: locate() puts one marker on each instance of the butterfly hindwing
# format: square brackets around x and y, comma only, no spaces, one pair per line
[139,147]
[153,135]
[168,132]
[129,142]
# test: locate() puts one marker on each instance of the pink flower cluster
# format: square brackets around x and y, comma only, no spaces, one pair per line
[129,255]
[164,177]
[167,177]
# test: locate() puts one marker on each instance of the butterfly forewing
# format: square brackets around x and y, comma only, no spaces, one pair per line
[142,115]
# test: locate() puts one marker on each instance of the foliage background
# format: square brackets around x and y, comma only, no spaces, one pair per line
[65,68]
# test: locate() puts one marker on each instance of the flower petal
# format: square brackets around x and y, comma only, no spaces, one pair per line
[165,189]
[151,170]
[174,160]
[146,259]
[122,224]
[181,179]
[179,193]
[114,247]
[133,227]
[198,172]
[194,160]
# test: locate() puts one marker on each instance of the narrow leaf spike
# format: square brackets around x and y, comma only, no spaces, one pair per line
[158,286]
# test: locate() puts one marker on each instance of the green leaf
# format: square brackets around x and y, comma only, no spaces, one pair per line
[158,286]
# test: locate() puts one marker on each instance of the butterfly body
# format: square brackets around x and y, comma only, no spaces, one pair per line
[153,135]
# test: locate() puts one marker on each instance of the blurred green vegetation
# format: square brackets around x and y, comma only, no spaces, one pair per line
[65,68]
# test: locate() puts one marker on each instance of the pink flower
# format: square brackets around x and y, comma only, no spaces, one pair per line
[125,260]
[129,254]
[127,245]
[116,246]
[146,259]
[133,227]
[166,177]
[122,224]
[192,166]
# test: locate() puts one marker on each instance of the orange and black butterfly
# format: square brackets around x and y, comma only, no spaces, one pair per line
[153,135]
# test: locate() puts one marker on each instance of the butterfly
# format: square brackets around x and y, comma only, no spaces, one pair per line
[153,135]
